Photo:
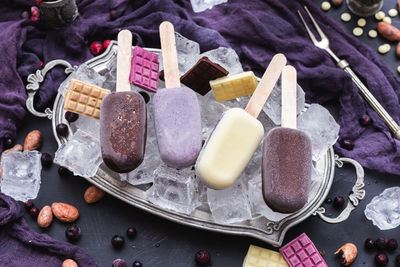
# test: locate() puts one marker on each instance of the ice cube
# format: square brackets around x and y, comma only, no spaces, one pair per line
[144,173]
[229,205]
[81,154]
[273,106]
[226,57]
[21,174]
[188,52]
[84,74]
[384,210]
[176,190]
[201,5]
[322,128]
[88,125]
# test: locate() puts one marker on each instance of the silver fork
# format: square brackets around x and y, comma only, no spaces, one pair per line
[343,64]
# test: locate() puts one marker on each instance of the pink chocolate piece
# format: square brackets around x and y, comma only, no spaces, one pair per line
[301,252]
[144,69]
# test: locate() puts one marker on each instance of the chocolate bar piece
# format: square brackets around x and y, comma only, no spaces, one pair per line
[199,76]
[261,257]
[84,98]
[144,69]
[301,252]
[230,87]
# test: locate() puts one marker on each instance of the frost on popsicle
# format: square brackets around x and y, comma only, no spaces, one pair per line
[21,174]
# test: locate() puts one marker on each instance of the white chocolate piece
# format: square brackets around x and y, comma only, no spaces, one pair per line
[393,12]
[229,148]
[262,257]
[380,15]
[357,31]
[372,34]
[398,69]
[383,49]
[325,6]
[387,20]
[361,22]
[346,17]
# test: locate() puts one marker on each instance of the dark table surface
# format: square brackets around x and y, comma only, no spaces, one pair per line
[163,243]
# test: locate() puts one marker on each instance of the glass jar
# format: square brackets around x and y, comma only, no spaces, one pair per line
[58,13]
[364,8]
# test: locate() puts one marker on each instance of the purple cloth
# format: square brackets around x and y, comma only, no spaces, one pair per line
[22,247]
[255,29]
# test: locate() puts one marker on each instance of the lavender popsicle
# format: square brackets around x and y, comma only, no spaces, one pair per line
[176,110]
[123,119]
[286,156]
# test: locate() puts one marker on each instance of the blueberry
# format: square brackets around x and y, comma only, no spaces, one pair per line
[338,202]
[8,141]
[381,259]
[73,232]
[34,212]
[369,243]
[117,241]
[71,116]
[347,144]
[364,120]
[146,96]
[28,205]
[202,257]
[25,15]
[62,129]
[62,171]
[397,260]
[161,75]
[328,200]
[137,264]
[380,243]
[392,244]
[119,263]
[131,232]
[46,159]
[113,14]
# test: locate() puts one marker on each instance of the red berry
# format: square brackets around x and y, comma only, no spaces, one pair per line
[381,259]
[96,48]
[41,64]
[347,143]
[38,2]
[34,212]
[392,244]
[35,13]
[105,44]
[202,257]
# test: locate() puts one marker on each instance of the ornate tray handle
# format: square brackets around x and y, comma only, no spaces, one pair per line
[357,194]
[34,81]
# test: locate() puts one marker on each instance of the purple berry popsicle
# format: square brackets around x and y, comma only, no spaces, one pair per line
[237,135]
[176,110]
[286,156]
[123,117]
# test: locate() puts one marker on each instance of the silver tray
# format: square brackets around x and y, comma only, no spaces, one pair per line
[261,228]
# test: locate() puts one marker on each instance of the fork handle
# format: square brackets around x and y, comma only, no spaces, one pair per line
[372,101]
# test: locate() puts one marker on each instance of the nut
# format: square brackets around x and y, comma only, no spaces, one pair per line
[65,212]
[389,31]
[45,217]
[69,263]
[337,2]
[398,50]
[33,140]
[1,172]
[347,254]
[93,194]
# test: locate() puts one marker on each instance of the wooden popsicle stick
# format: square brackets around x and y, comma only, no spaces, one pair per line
[169,55]
[124,57]
[289,90]
[267,83]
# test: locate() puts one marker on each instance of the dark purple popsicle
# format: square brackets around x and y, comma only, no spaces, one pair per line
[123,130]
[286,169]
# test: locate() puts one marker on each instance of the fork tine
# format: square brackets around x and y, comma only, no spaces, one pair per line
[321,33]
[312,37]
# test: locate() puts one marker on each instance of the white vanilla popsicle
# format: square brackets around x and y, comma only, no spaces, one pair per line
[237,135]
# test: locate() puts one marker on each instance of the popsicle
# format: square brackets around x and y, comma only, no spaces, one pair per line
[176,110]
[144,69]
[230,87]
[123,118]
[286,156]
[237,135]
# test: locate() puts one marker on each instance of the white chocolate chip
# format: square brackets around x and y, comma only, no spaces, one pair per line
[372,34]
[361,22]
[325,6]
[383,49]
[346,17]
[357,31]
[387,20]
[398,69]
[393,12]
[380,15]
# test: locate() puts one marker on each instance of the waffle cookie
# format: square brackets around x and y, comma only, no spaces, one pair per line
[301,252]
[261,257]
[144,69]
[199,76]
[230,87]
[84,98]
